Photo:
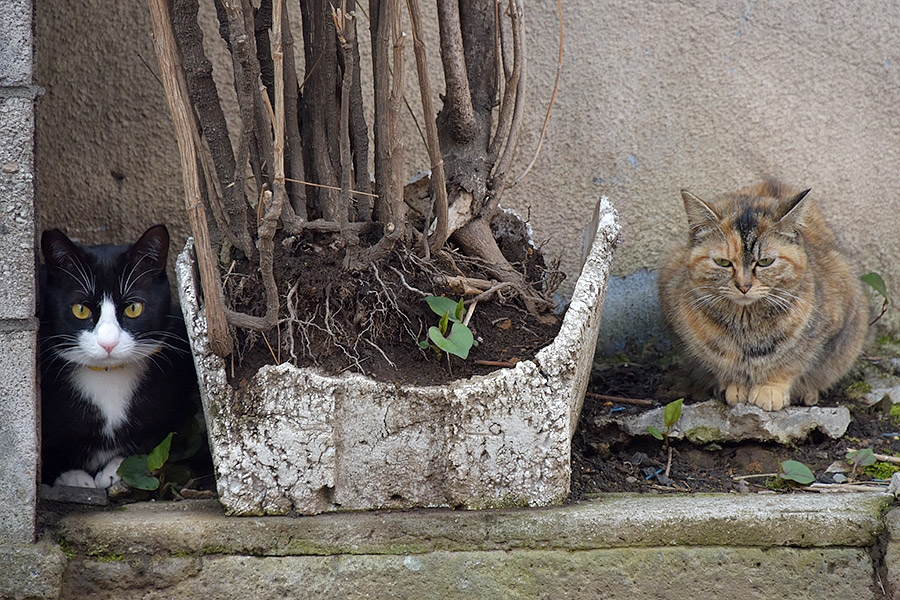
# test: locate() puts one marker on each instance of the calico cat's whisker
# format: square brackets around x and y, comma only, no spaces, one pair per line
[807,296]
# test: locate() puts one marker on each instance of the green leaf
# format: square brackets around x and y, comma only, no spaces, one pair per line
[424,344]
[442,306]
[460,307]
[443,323]
[796,471]
[654,432]
[160,454]
[863,458]
[459,342]
[134,472]
[673,412]
[875,281]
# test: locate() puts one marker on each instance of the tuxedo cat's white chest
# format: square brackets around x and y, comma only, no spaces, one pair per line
[111,391]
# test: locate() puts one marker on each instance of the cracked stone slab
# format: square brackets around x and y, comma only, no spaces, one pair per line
[299,440]
[714,421]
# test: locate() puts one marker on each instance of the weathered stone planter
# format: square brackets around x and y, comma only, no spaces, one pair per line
[300,440]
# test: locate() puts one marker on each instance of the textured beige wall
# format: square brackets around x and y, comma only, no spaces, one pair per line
[654,96]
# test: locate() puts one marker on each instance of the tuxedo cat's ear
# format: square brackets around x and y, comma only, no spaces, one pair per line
[701,216]
[795,209]
[151,250]
[58,250]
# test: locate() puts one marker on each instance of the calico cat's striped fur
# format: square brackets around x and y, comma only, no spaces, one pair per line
[761,298]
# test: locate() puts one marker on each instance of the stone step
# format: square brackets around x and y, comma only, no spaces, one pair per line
[615,546]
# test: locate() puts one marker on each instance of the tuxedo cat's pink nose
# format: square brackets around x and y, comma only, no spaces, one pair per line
[108,346]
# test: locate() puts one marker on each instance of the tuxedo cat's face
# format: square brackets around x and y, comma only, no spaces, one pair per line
[103,305]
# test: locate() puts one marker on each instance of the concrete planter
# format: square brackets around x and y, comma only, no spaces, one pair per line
[298,440]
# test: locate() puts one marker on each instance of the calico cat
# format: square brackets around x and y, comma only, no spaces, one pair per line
[116,368]
[760,297]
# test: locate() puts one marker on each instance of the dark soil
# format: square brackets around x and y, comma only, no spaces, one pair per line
[605,460]
[377,316]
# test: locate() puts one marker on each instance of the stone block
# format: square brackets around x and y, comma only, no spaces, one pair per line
[18,435]
[17,236]
[675,573]
[32,571]
[15,43]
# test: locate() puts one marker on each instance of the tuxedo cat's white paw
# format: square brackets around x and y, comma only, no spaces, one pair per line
[75,478]
[108,475]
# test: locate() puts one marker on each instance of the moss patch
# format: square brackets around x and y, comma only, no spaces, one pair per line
[857,390]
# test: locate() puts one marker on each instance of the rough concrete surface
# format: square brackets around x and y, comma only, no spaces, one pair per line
[17,208]
[15,43]
[30,571]
[632,574]
[714,421]
[301,440]
[611,521]
[618,546]
[653,97]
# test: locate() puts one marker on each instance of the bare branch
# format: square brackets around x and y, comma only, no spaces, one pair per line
[537,150]
[293,141]
[380,15]
[179,105]
[434,151]
[517,92]
[461,115]
[346,34]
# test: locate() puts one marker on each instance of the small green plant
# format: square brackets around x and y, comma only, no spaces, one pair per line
[875,281]
[796,471]
[860,458]
[459,340]
[140,470]
[163,467]
[670,417]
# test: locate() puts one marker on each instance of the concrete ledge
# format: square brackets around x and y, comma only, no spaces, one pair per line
[616,546]
[626,574]
[30,570]
[614,521]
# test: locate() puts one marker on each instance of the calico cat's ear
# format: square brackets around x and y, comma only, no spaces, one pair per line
[58,250]
[795,211]
[701,216]
[151,250]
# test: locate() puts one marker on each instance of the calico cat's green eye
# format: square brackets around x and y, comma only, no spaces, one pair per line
[722,262]
[765,262]
[81,311]
[134,310]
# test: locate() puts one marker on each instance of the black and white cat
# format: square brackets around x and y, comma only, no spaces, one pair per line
[116,368]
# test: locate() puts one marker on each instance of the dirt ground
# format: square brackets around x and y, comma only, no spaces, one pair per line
[604,460]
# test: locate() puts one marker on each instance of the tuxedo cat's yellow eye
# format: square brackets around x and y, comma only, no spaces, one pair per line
[722,262]
[134,310]
[81,311]
[765,262]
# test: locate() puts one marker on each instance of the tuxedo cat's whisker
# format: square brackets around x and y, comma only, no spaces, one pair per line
[115,378]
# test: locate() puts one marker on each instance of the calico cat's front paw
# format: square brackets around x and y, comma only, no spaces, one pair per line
[109,475]
[770,396]
[735,394]
[75,478]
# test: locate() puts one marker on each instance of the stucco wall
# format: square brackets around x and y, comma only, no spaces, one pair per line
[654,97]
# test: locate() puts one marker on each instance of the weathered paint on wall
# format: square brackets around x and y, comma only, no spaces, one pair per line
[653,97]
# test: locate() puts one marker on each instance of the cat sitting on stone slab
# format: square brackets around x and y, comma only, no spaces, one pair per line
[761,299]
[116,369]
